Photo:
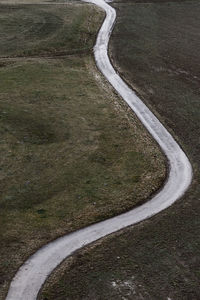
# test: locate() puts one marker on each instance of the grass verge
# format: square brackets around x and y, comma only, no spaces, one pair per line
[156,48]
[71,152]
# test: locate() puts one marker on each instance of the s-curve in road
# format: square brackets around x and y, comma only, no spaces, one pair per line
[31,276]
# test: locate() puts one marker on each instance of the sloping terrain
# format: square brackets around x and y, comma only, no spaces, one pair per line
[71,152]
[156,47]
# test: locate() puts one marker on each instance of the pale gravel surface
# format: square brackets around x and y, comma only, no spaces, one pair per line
[31,276]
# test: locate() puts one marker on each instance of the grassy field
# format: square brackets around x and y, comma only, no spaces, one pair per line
[71,152]
[156,47]
[29,30]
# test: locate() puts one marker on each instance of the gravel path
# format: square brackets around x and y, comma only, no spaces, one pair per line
[31,276]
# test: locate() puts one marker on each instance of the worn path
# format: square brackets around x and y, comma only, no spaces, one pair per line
[31,276]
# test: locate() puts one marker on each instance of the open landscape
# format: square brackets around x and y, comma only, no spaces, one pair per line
[72,153]
[155,46]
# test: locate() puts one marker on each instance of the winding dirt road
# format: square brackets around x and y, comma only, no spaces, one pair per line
[31,276]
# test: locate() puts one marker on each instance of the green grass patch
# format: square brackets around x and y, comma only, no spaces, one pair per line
[33,30]
[157,48]
[71,152]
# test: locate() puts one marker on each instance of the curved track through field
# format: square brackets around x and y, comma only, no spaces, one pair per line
[33,273]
